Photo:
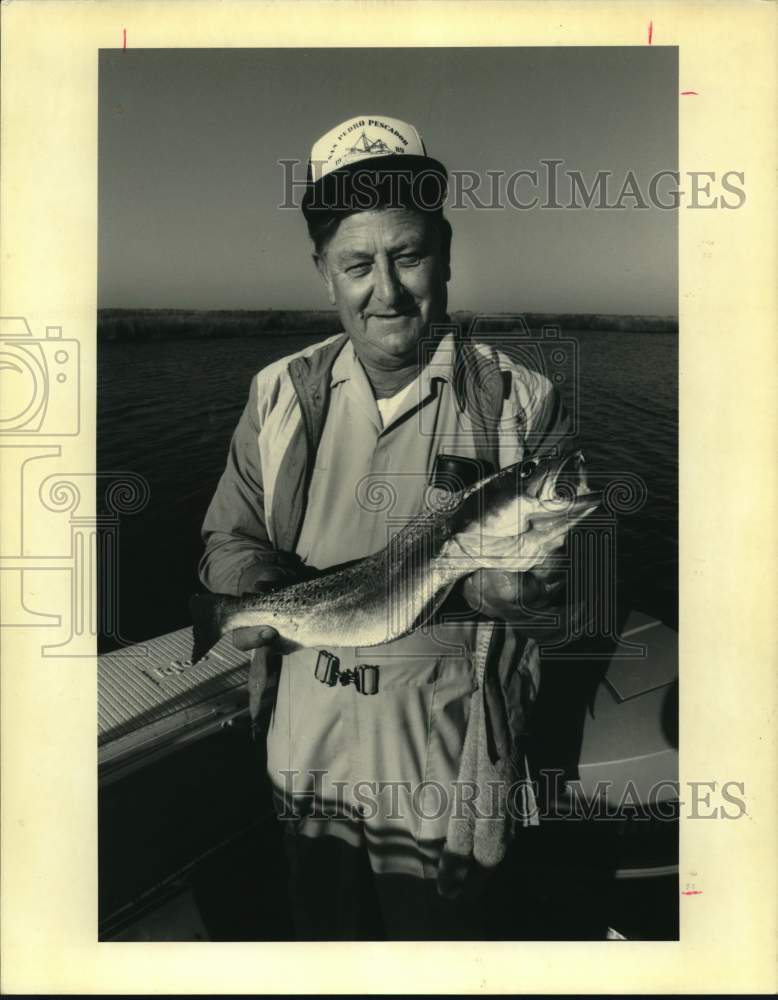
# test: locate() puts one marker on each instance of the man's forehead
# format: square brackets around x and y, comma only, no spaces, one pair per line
[385,228]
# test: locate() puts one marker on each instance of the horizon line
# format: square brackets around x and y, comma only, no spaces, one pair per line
[333,312]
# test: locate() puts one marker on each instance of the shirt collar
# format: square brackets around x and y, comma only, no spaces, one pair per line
[344,364]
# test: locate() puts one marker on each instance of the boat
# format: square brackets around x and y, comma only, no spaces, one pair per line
[189,847]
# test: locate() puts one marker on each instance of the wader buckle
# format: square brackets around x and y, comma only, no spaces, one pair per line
[326,669]
[364,676]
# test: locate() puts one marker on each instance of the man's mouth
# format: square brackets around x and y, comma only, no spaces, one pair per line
[394,315]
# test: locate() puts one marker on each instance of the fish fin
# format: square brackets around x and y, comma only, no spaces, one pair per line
[205,610]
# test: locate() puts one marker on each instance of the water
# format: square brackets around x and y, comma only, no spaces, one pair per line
[167,409]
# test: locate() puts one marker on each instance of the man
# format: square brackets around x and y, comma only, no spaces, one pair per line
[336,449]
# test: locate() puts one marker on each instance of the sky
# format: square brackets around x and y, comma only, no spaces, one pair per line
[190,182]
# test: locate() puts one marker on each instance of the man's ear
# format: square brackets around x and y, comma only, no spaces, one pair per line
[324,274]
[445,239]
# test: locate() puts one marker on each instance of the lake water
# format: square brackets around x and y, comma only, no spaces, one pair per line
[167,409]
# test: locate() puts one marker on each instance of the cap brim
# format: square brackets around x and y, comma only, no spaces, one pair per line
[410,180]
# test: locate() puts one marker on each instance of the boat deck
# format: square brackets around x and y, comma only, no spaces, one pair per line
[150,696]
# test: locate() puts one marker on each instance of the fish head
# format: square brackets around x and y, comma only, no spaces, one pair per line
[549,484]
[551,479]
[525,512]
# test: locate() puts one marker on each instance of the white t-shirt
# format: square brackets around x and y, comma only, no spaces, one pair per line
[389,407]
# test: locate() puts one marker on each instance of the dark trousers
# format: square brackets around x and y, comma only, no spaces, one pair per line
[335,896]
[536,894]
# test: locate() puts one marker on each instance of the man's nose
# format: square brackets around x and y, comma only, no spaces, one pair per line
[388,288]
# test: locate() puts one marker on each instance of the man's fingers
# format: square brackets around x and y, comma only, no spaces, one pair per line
[253,637]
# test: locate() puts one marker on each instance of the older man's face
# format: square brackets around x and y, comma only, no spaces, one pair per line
[386,272]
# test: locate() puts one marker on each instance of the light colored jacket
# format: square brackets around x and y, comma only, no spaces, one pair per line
[256,515]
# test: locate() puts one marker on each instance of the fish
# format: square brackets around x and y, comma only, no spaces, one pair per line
[513,520]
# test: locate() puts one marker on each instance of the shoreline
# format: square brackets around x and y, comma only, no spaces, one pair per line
[192,324]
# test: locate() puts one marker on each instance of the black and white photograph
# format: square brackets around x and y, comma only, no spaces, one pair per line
[387,377]
[387,435]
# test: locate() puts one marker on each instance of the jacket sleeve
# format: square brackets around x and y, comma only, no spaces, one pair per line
[238,553]
[542,426]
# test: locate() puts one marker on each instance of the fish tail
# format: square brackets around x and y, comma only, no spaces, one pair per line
[207,611]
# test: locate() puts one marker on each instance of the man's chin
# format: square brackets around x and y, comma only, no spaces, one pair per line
[390,340]
[397,339]
[400,345]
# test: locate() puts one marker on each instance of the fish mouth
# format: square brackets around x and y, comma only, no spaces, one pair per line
[584,503]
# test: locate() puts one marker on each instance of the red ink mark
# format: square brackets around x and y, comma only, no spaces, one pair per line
[124,38]
[685,92]
[691,892]
[650,31]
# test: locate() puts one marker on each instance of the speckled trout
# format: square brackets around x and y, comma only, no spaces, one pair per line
[513,521]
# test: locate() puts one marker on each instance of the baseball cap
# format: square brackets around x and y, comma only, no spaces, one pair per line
[368,161]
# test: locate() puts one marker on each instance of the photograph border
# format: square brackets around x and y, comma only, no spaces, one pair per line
[728,437]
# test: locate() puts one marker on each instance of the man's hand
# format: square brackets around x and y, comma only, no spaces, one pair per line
[254,637]
[286,570]
[538,602]
[503,594]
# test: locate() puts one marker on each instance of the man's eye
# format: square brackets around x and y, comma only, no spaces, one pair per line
[358,270]
[409,260]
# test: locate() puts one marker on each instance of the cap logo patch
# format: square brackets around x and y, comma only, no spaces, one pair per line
[362,138]
[365,147]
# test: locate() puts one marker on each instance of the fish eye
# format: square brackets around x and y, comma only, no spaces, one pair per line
[528,467]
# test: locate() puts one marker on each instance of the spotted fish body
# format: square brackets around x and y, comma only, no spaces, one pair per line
[512,521]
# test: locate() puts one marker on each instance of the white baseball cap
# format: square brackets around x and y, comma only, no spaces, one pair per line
[373,146]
